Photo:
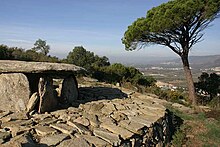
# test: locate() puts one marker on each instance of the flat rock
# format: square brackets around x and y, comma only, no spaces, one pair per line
[146,121]
[82,129]
[93,120]
[5,135]
[45,130]
[64,128]
[47,121]
[14,91]
[20,140]
[125,134]
[12,66]
[53,140]
[82,120]
[96,141]
[4,113]
[76,142]
[132,126]
[111,138]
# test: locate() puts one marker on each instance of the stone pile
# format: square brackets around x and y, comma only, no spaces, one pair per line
[127,119]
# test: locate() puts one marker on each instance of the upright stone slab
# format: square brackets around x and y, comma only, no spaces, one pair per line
[48,101]
[14,92]
[69,90]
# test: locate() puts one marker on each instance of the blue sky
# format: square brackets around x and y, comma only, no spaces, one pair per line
[98,25]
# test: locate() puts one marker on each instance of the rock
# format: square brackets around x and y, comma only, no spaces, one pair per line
[82,120]
[145,120]
[108,108]
[47,121]
[48,102]
[69,90]
[118,116]
[12,66]
[59,113]
[113,139]
[1,141]
[93,120]
[125,134]
[14,91]
[132,126]
[53,140]
[32,102]
[190,136]
[96,141]
[5,135]
[44,130]
[41,116]
[64,128]
[76,142]
[181,107]
[20,141]
[5,113]
[82,129]
[119,106]
[5,119]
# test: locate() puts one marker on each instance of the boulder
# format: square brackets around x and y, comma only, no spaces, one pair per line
[14,91]
[69,90]
[32,102]
[48,101]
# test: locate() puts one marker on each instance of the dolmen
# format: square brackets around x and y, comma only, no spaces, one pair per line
[28,86]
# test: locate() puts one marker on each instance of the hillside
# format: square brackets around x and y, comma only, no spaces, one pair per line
[201,62]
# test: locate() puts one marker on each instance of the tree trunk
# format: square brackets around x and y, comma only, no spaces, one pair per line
[190,84]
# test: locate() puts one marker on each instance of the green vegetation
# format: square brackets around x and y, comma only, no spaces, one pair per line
[81,57]
[178,25]
[208,86]
[14,53]
[118,73]
[176,96]
[41,45]
[201,129]
[100,68]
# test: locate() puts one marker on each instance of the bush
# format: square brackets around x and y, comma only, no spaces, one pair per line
[169,95]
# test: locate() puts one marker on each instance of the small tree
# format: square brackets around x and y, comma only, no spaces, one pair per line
[208,84]
[41,45]
[81,57]
[178,25]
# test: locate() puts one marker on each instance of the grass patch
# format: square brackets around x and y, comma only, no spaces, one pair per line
[212,135]
[204,127]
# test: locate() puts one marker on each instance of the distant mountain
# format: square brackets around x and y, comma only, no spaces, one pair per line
[198,61]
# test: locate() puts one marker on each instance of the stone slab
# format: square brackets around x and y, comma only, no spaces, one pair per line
[45,130]
[76,142]
[12,66]
[132,126]
[111,138]
[14,92]
[53,140]
[125,134]
[64,128]
[96,141]
[82,129]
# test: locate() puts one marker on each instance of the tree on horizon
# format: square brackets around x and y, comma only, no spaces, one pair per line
[178,25]
[42,46]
